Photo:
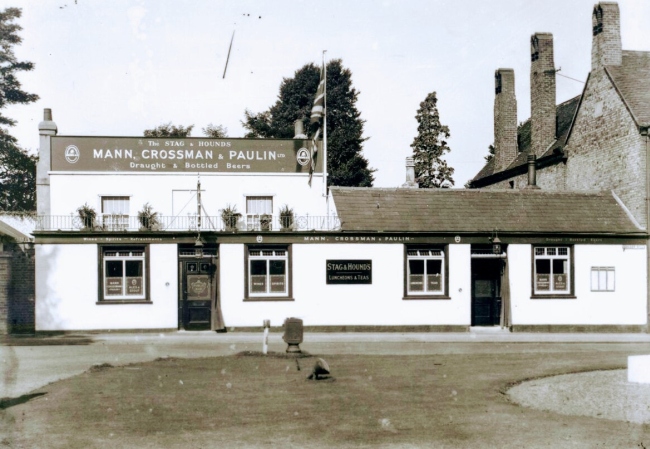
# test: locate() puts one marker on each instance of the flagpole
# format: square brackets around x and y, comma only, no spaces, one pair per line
[325,130]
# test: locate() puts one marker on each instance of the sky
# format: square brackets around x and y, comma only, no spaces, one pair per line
[118,67]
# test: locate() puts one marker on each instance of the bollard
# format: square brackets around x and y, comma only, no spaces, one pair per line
[293,334]
[265,342]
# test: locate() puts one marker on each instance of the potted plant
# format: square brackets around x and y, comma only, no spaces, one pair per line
[87,216]
[265,222]
[148,218]
[230,217]
[286,218]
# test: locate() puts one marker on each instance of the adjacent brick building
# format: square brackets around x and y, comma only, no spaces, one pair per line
[596,141]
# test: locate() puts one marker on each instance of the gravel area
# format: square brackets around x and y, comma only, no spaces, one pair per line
[601,394]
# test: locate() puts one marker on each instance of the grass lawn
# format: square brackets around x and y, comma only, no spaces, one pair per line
[374,401]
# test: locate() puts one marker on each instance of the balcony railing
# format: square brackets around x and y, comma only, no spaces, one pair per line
[187,223]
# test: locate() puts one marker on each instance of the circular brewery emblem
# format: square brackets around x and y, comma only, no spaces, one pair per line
[303,156]
[71,154]
[457,239]
[259,239]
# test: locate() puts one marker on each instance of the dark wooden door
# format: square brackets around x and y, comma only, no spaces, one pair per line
[198,288]
[486,300]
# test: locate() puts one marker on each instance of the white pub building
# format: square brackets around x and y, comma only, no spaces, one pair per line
[138,233]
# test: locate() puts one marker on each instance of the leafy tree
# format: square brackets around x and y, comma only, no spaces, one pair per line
[169,130]
[430,145]
[17,167]
[346,165]
[215,131]
[490,155]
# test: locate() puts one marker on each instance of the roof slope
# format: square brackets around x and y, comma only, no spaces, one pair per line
[17,226]
[564,116]
[632,80]
[475,210]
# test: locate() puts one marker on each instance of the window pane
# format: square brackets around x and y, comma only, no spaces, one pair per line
[610,279]
[277,267]
[594,279]
[560,277]
[133,268]
[278,283]
[542,274]
[602,279]
[416,266]
[114,268]
[434,275]
[258,267]
[115,205]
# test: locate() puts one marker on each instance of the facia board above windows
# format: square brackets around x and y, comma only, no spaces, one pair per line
[134,154]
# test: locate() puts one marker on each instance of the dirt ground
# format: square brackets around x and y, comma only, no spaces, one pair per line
[385,394]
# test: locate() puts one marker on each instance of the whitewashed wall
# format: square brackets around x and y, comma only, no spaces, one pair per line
[67,291]
[627,305]
[70,191]
[317,304]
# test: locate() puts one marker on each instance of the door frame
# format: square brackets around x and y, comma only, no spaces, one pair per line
[482,255]
[188,254]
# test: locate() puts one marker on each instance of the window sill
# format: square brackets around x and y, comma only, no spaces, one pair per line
[426,297]
[553,297]
[269,298]
[123,301]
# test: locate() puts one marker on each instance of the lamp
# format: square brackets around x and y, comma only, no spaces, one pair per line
[496,243]
[198,247]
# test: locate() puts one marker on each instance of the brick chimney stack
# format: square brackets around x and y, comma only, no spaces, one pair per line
[542,93]
[505,119]
[606,45]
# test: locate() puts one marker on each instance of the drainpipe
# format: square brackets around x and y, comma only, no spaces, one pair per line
[532,172]
[644,133]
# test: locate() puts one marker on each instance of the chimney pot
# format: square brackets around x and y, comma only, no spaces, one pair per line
[299,130]
[410,174]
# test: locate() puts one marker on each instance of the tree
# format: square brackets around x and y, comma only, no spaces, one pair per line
[490,156]
[17,167]
[346,165]
[215,132]
[430,145]
[169,130]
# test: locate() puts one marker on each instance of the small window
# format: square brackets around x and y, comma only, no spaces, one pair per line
[552,270]
[425,272]
[268,273]
[256,208]
[115,212]
[123,274]
[602,279]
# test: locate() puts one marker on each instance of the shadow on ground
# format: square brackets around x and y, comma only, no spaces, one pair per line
[49,339]
[5,403]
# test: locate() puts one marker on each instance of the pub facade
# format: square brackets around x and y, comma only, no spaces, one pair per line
[139,233]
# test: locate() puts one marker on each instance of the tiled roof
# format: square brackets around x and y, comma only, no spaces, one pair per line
[564,116]
[632,80]
[476,210]
[18,227]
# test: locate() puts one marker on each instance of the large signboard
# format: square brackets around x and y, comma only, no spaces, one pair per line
[349,271]
[143,154]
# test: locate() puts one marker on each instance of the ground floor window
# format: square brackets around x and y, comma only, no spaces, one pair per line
[123,273]
[426,272]
[602,279]
[552,270]
[268,271]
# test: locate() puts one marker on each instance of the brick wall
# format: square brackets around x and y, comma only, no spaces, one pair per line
[17,293]
[606,45]
[542,93]
[606,150]
[505,119]
[551,179]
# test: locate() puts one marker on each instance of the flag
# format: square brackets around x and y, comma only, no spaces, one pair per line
[317,112]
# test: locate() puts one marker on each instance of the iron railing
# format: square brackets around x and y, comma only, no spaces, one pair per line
[251,223]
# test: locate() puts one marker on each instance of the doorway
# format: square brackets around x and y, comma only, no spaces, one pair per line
[486,291]
[197,288]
